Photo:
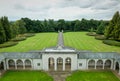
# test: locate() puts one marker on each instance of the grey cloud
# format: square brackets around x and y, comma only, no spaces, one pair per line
[55,9]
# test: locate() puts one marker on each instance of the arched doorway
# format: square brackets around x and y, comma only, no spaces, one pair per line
[68,63]
[91,64]
[59,63]
[117,67]
[11,64]
[51,63]
[99,64]
[107,64]
[19,64]
[1,66]
[28,64]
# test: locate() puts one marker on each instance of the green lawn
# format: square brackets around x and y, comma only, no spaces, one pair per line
[37,42]
[25,76]
[92,76]
[81,41]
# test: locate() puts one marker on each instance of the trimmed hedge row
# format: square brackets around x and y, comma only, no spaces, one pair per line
[111,42]
[23,37]
[8,44]
[29,35]
[19,39]
[16,40]
[100,37]
[91,33]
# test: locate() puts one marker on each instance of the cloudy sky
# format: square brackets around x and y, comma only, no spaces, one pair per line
[59,9]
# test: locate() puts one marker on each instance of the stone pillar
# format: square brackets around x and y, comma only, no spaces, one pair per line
[103,64]
[111,67]
[23,63]
[7,64]
[119,69]
[32,64]
[4,64]
[114,65]
[95,63]
[15,64]
[87,63]
[55,65]
[63,64]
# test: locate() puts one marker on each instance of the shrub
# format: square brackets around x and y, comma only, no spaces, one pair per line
[19,39]
[8,44]
[29,35]
[111,42]
[91,33]
[100,37]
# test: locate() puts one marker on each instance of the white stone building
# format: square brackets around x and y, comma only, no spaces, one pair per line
[60,58]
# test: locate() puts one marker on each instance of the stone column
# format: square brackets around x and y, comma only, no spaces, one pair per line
[111,67]
[87,63]
[55,65]
[32,64]
[23,63]
[7,64]
[95,63]
[114,65]
[119,69]
[4,64]
[63,64]
[15,64]
[103,64]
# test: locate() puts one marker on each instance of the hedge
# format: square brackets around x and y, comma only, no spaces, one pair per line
[19,39]
[8,44]
[111,42]
[100,37]
[29,35]
[91,33]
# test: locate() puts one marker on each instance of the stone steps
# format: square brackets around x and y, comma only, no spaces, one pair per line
[59,75]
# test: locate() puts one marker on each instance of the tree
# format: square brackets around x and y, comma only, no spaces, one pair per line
[51,25]
[100,29]
[6,25]
[112,28]
[116,31]
[15,29]
[2,34]
[61,24]
[21,25]
[77,25]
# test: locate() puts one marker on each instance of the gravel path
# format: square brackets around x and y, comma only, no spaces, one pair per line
[60,39]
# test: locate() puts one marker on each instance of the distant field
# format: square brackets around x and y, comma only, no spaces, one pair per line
[81,41]
[38,42]
[25,76]
[92,76]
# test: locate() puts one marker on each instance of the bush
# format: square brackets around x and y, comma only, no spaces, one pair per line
[100,37]
[19,39]
[91,33]
[111,42]
[8,44]
[29,35]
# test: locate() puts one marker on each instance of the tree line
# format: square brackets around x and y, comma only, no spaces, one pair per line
[10,29]
[52,25]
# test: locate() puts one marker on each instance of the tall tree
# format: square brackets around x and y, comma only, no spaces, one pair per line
[101,28]
[116,31]
[77,25]
[21,25]
[2,34]
[7,28]
[61,24]
[110,29]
